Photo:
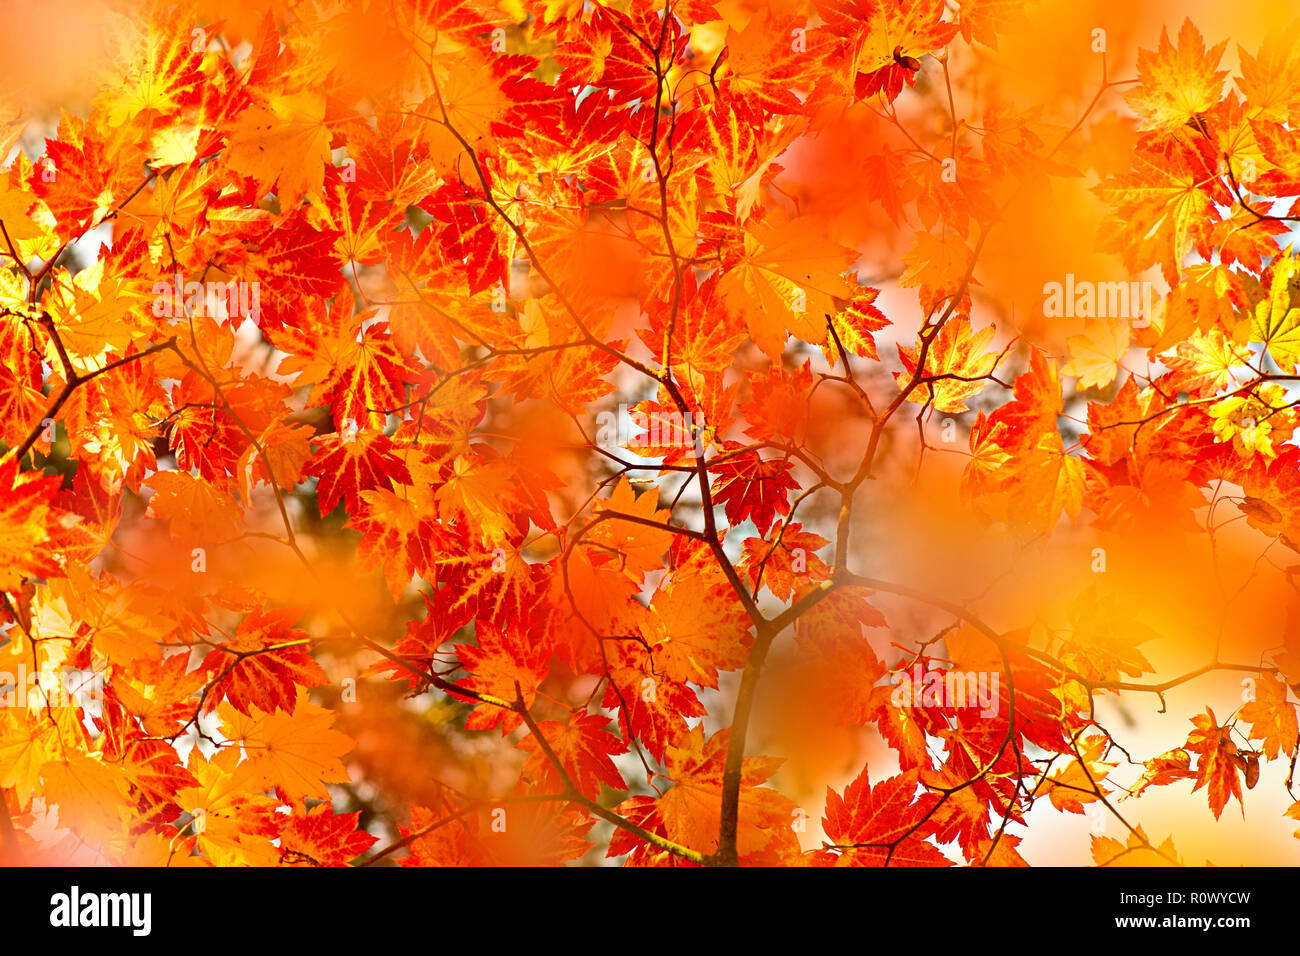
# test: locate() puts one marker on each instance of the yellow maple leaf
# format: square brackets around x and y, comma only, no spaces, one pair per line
[1272,716]
[1138,851]
[788,278]
[91,313]
[641,545]
[154,67]
[295,751]
[27,742]
[1277,320]
[1177,83]
[1078,782]
[1095,354]
[14,207]
[90,795]
[284,145]
[229,812]
[196,509]
[1254,421]
[957,365]
[937,264]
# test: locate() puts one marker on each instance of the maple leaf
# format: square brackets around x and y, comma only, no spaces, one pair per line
[640,545]
[704,333]
[1137,851]
[1216,766]
[25,747]
[234,818]
[983,20]
[295,260]
[321,837]
[891,42]
[845,609]
[353,364]
[1162,208]
[761,68]
[352,462]
[158,693]
[881,825]
[1094,355]
[752,487]
[263,665]
[1052,481]
[1169,767]
[1103,644]
[201,434]
[689,809]
[786,565]
[425,637]
[15,204]
[33,530]
[537,834]
[570,378]
[1079,782]
[156,774]
[85,183]
[742,145]
[397,534]
[1272,716]
[197,511]
[600,51]
[1160,500]
[844,667]
[956,366]
[1038,693]
[776,407]
[1270,79]
[1253,421]
[938,265]
[584,747]
[1270,503]
[696,626]
[1179,83]
[505,665]
[467,233]
[473,492]
[284,146]
[1203,363]
[1003,852]
[653,707]
[1114,427]
[852,326]
[20,402]
[279,456]
[1277,320]
[159,70]
[89,794]
[296,751]
[363,223]
[784,275]
[89,314]
[433,844]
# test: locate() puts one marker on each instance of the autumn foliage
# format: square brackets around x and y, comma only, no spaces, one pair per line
[814,433]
